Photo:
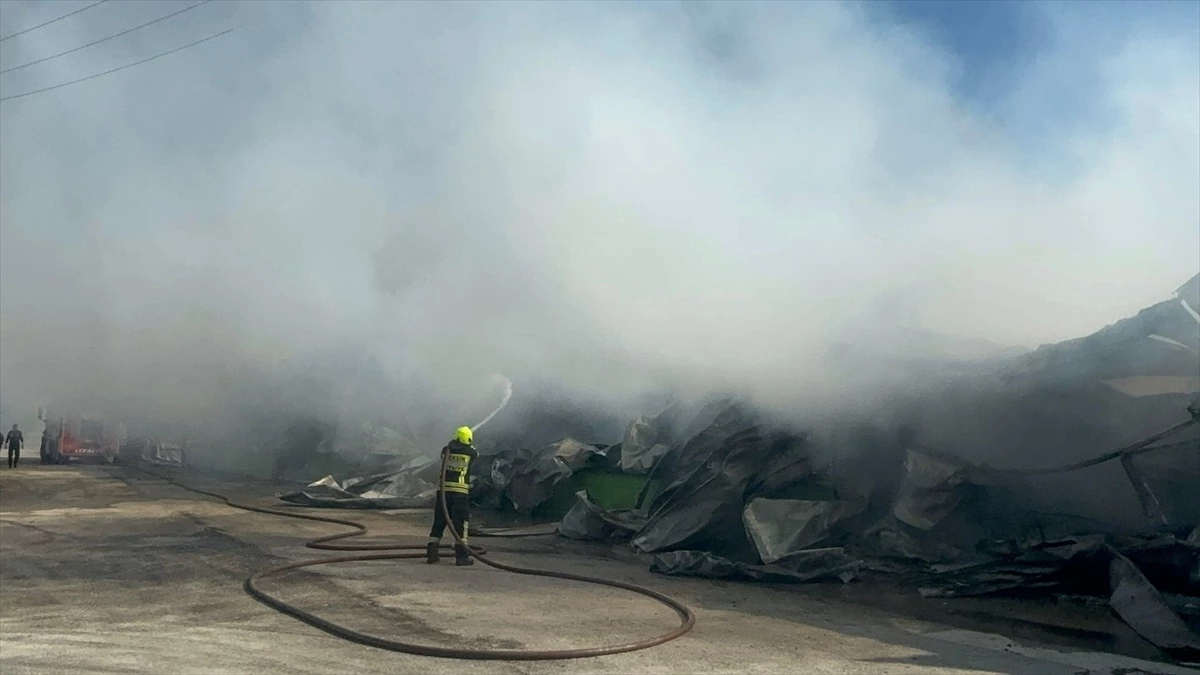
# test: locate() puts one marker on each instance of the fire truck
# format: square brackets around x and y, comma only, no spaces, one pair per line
[79,435]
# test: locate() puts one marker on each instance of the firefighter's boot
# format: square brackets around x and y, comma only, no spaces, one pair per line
[431,553]
[462,558]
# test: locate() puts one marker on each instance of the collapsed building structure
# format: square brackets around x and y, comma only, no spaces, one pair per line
[1069,469]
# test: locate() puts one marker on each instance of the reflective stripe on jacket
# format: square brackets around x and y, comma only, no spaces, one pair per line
[458,467]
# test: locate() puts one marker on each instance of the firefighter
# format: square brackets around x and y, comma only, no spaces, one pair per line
[455,487]
[15,439]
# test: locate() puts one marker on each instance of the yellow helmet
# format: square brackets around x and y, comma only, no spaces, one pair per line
[465,436]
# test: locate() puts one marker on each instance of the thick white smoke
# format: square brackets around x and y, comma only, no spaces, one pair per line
[616,197]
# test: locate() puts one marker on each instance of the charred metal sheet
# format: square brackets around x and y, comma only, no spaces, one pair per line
[1141,606]
[931,490]
[782,527]
[808,566]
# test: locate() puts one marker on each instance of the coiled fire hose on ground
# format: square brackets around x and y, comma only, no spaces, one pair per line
[405,552]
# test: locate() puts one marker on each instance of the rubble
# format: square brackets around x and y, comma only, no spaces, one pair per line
[414,486]
[534,482]
[987,482]
[803,567]
[641,448]
[782,527]
[1141,606]
[931,491]
[590,521]
[151,450]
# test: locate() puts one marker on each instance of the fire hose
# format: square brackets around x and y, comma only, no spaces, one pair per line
[404,552]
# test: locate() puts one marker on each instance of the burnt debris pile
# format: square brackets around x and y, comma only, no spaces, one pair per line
[1071,469]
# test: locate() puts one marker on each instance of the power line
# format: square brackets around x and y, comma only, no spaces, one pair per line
[110,37]
[81,9]
[120,68]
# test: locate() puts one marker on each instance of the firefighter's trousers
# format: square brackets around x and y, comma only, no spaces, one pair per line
[459,506]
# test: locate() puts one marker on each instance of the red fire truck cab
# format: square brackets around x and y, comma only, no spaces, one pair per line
[72,435]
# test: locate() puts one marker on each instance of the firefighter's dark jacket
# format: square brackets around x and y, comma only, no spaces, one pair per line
[458,468]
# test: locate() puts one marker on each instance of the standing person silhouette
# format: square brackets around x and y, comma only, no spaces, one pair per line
[15,439]
[456,488]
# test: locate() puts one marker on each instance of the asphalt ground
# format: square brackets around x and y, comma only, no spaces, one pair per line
[105,569]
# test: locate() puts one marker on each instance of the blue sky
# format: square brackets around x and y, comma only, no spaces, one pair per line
[997,43]
[994,38]
[991,38]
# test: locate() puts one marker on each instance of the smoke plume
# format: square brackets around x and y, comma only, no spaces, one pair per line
[614,198]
